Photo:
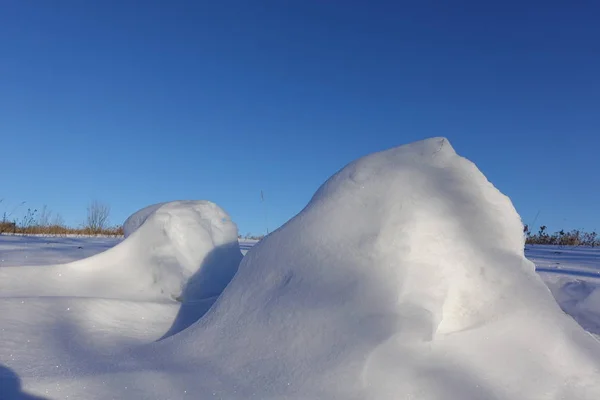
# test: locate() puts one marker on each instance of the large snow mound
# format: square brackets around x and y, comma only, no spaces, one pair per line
[180,249]
[403,278]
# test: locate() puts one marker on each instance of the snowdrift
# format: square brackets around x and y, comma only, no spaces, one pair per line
[172,250]
[404,277]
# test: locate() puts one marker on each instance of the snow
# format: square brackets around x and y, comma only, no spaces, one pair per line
[43,250]
[566,259]
[573,276]
[184,248]
[404,277]
[136,219]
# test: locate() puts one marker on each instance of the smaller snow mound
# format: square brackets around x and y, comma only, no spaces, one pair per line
[191,248]
[185,250]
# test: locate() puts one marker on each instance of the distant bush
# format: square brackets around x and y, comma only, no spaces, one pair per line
[6,226]
[250,236]
[97,217]
[561,238]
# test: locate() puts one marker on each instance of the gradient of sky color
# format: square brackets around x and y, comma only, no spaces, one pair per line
[136,102]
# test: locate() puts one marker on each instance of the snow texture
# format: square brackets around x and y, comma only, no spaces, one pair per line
[404,277]
[136,219]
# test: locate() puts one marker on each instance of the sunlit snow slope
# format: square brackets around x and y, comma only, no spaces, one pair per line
[403,278]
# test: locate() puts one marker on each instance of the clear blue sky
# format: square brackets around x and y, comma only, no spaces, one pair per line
[136,102]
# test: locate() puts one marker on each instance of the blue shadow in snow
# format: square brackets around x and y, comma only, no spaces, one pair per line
[205,286]
[10,386]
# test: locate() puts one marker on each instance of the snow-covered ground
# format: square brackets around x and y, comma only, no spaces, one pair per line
[571,273]
[405,277]
[573,276]
[574,267]
[46,250]
[21,250]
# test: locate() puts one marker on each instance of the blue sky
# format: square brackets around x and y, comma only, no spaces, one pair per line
[136,102]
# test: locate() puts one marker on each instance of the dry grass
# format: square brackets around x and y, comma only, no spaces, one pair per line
[562,238]
[44,222]
[10,228]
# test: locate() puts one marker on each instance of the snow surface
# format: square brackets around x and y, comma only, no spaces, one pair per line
[43,250]
[136,219]
[404,277]
[573,276]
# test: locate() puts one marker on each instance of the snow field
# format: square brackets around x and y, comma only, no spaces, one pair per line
[404,277]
